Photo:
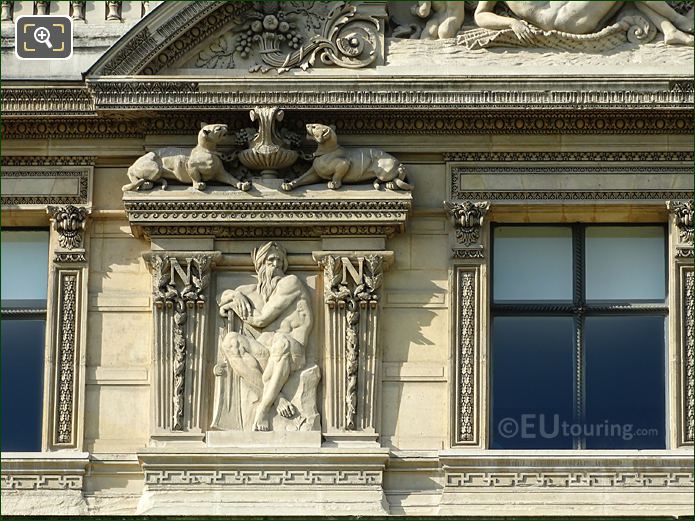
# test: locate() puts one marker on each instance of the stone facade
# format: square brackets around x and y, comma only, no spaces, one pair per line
[358,380]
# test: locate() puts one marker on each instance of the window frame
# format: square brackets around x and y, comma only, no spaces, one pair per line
[33,309]
[579,309]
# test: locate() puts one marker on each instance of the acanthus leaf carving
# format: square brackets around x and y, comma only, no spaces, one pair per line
[69,221]
[284,37]
[683,213]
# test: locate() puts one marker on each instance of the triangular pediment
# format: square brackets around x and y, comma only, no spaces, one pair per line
[239,37]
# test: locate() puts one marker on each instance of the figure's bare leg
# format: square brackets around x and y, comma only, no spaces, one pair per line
[274,378]
[672,36]
[684,23]
[310,177]
[238,351]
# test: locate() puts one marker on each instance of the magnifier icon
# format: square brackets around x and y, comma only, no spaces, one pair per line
[43,35]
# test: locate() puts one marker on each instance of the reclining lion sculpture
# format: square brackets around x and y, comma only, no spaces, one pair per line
[340,165]
[196,166]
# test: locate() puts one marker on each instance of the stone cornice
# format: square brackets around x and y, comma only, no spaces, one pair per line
[267,212]
[498,94]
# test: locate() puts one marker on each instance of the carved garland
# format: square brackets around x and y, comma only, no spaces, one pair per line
[66,358]
[167,294]
[467,354]
[688,371]
[364,294]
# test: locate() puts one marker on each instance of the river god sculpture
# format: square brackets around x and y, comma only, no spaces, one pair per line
[341,165]
[196,166]
[574,17]
[268,353]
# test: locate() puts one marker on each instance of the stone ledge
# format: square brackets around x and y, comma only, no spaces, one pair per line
[266,211]
[263,481]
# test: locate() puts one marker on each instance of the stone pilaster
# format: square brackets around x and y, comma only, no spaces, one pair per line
[352,283]
[180,296]
[681,322]
[468,292]
[66,328]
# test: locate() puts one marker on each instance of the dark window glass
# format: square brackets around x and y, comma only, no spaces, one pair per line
[22,384]
[532,380]
[24,289]
[625,380]
[584,369]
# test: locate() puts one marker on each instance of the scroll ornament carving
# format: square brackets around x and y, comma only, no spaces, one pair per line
[683,212]
[337,293]
[284,37]
[531,24]
[166,293]
[69,221]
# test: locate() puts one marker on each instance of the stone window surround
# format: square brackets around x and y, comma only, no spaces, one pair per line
[471,274]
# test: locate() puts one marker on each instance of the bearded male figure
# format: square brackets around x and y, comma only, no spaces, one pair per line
[276,317]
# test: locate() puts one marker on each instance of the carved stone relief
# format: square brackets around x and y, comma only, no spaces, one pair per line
[683,215]
[352,287]
[69,221]
[180,287]
[339,165]
[269,152]
[277,36]
[264,380]
[468,220]
[69,270]
[198,166]
[688,354]
[558,25]
[592,28]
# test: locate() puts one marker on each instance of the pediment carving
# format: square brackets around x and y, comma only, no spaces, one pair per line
[249,37]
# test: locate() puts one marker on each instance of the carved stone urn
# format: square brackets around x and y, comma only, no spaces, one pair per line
[267,151]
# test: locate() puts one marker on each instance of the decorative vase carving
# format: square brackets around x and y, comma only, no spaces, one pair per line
[267,151]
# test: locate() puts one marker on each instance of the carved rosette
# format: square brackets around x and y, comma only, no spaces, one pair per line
[180,300]
[351,292]
[468,221]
